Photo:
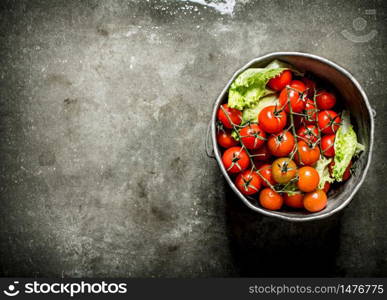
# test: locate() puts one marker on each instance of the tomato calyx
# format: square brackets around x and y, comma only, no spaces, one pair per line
[284,167]
[234,161]
[247,184]
[278,112]
[332,122]
[280,138]
[308,134]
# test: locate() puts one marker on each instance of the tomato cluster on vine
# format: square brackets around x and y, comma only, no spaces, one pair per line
[274,157]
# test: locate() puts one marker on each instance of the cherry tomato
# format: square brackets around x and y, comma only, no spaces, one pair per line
[315,201]
[281,144]
[252,136]
[283,170]
[308,179]
[270,199]
[280,81]
[271,119]
[308,133]
[311,112]
[266,173]
[261,154]
[327,145]
[234,115]
[310,86]
[298,85]
[235,159]
[295,99]
[248,182]
[327,186]
[328,121]
[307,155]
[225,139]
[325,100]
[295,200]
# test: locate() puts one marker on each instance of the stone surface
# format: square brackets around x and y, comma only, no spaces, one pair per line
[103,112]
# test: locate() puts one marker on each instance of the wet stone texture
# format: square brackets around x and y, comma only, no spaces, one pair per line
[103,112]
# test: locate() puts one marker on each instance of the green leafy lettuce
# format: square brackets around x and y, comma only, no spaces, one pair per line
[250,85]
[251,114]
[346,146]
[323,171]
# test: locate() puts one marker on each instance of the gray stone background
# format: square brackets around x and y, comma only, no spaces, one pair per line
[103,111]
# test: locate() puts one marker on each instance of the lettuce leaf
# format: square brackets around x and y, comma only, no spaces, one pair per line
[323,171]
[251,114]
[346,146]
[250,85]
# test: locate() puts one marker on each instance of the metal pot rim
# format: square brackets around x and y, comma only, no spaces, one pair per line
[311,216]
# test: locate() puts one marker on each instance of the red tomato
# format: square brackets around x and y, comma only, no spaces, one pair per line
[328,121]
[310,111]
[309,156]
[248,182]
[327,186]
[272,120]
[235,159]
[280,81]
[327,145]
[308,179]
[325,100]
[315,201]
[266,173]
[295,200]
[295,99]
[310,86]
[225,139]
[252,136]
[234,115]
[308,133]
[298,85]
[261,154]
[281,144]
[270,199]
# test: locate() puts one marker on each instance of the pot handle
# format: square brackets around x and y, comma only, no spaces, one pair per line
[373,112]
[208,142]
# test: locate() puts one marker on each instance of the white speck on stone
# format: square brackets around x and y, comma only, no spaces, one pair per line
[132,60]
[225,8]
